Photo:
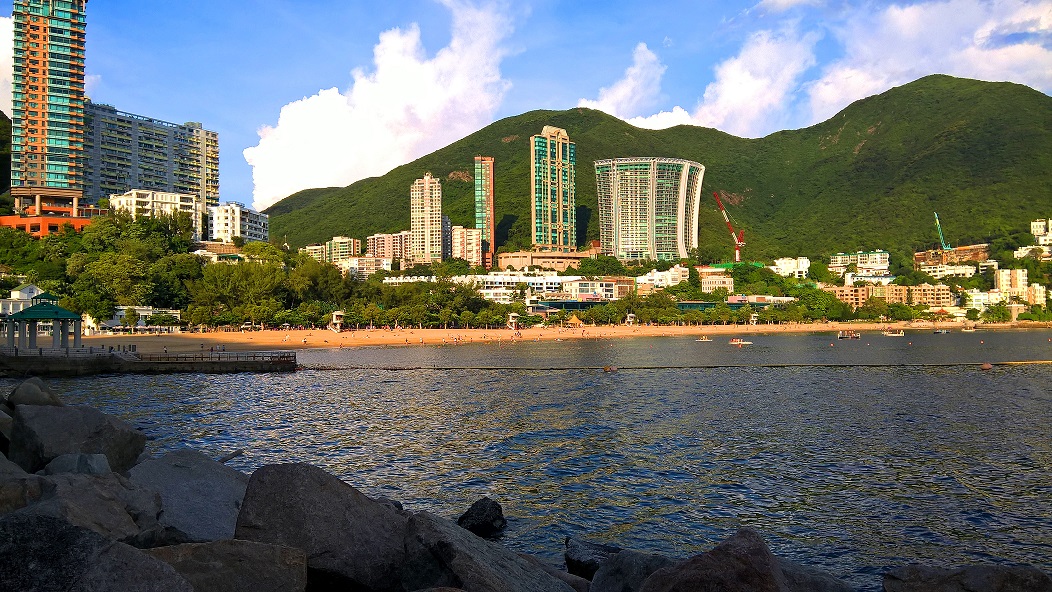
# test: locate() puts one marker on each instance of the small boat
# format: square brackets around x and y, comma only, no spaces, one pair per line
[848,334]
[704,338]
[968,330]
[941,331]
[739,342]
[893,333]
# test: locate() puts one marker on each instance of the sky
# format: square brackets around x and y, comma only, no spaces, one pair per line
[321,93]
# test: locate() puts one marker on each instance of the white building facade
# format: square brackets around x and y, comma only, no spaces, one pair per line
[867,263]
[789,267]
[139,202]
[425,217]
[230,220]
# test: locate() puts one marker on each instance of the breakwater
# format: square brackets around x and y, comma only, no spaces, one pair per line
[85,361]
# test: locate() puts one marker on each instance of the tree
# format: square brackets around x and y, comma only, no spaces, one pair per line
[131,317]
[238,241]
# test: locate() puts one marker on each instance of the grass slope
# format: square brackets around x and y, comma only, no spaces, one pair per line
[978,153]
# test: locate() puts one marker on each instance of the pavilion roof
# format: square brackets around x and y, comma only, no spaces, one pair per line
[45,311]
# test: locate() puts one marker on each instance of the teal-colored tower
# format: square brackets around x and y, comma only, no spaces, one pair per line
[552,164]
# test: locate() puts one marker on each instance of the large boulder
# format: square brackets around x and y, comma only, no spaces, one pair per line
[6,423]
[201,497]
[107,504]
[85,464]
[42,433]
[9,468]
[583,557]
[237,566]
[18,489]
[973,578]
[351,541]
[32,391]
[804,578]
[742,563]
[49,554]
[440,553]
[578,583]
[626,571]
[485,518]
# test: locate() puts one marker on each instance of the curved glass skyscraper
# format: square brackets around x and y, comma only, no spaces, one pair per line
[648,207]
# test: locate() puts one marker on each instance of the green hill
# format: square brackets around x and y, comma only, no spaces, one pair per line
[6,204]
[978,153]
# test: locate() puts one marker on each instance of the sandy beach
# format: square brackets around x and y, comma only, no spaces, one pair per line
[409,337]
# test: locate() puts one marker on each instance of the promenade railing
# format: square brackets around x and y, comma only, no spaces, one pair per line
[268,356]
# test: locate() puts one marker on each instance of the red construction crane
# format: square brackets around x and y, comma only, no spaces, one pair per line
[739,239]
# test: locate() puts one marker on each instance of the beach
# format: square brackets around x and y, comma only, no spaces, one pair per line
[278,339]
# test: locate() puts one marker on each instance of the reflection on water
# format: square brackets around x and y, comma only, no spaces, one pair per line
[852,468]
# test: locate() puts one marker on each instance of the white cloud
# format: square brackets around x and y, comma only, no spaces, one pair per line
[745,99]
[7,61]
[637,90]
[407,106]
[996,41]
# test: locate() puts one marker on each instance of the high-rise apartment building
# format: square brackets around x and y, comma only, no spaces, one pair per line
[340,248]
[47,125]
[233,219]
[552,163]
[484,220]
[138,202]
[124,151]
[425,217]
[466,244]
[389,246]
[648,207]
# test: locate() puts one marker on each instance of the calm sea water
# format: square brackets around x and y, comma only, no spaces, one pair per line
[851,455]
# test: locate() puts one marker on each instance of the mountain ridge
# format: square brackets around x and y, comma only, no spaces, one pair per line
[979,153]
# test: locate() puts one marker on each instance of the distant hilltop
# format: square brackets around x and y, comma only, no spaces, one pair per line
[978,153]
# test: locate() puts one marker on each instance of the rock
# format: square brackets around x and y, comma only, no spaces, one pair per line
[18,489]
[42,433]
[804,578]
[9,468]
[485,518]
[6,423]
[973,578]
[440,553]
[237,566]
[351,541]
[578,583]
[626,571]
[32,392]
[583,557]
[87,464]
[200,497]
[44,553]
[742,563]
[390,503]
[107,504]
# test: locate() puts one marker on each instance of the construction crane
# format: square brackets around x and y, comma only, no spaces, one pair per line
[942,240]
[739,239]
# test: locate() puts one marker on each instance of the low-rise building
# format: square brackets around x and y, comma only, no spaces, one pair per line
[711,282]
[389,246]
[875,263]
[939,271]
[230,220]
[663,279]
[938,295]
[789,267]
[340,248]
[520,260]
[363,267]
[139,202]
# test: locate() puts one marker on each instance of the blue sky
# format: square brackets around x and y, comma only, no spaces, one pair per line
[314,93]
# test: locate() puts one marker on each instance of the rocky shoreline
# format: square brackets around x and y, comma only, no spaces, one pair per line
[82,507]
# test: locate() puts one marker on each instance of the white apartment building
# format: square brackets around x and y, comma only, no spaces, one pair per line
[940,271]
[363,267]
[789,267]
[425,217]
[1042,231]
[663,279]
[543,282]
[139,202]
[466,243]
[233,219]
[1045,250]
[711,282]
[867,263]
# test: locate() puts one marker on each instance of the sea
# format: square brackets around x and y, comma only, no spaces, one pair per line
[851,455]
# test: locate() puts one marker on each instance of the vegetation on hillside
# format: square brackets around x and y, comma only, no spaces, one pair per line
[978,153]
[6,203]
